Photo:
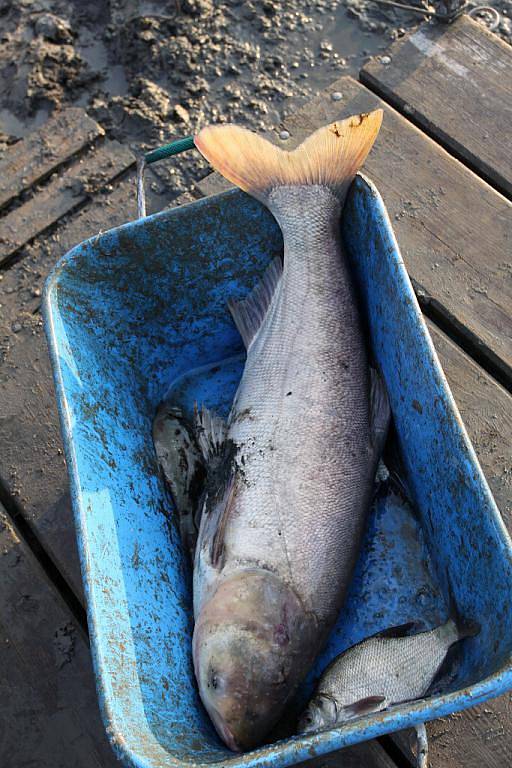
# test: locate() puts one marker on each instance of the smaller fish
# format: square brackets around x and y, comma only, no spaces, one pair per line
[386,669]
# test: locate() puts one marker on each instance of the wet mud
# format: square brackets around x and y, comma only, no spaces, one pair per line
[153,70]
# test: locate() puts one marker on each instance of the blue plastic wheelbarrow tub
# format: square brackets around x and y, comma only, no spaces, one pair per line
[129,311]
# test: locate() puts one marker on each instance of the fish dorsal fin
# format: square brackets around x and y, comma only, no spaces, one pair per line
[330,157]
[249,313]
[365,706]
[211,431]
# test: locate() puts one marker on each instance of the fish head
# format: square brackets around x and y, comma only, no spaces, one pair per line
[253,645]
[321,713]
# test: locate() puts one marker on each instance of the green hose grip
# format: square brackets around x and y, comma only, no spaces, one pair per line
[174,148]
[168,150]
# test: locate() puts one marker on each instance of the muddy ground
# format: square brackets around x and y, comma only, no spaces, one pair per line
[150,70]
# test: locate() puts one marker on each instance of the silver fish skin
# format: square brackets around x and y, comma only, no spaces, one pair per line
[290,477]
[377,673]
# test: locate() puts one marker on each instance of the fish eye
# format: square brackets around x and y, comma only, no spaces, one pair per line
[213,680]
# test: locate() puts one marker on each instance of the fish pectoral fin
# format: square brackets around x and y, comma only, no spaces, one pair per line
[380,413]
[211,431]
[365,706]
[226,507]
[249,313]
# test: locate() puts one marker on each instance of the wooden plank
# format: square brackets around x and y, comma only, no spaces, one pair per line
[32,465]
[48,707]
[454,230]
[62,195]
[31,160]
[367,755]
[478,738]
[455,82]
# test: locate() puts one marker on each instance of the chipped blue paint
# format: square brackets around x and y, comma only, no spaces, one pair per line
[128,312]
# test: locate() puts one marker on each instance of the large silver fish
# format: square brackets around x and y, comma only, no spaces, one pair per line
[379,672]
[290,473]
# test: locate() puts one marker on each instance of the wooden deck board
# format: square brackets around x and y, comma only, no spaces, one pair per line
[455,82]
[480,737]
[454,231]
[62,195]
[49,715]
[31,160]
[32,464]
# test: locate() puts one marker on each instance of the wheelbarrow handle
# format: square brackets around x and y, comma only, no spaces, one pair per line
[168,150]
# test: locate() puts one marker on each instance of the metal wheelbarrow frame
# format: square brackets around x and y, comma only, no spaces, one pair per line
[128,311]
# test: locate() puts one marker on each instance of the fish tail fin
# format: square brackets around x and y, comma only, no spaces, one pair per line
[330,157]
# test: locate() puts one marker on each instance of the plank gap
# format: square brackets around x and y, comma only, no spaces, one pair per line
[33,159]
[28,193]
[65,193]
[463,337]
[434,132]
[394,752]
[26,532]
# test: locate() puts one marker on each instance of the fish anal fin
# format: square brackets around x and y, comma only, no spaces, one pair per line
[365,706]
[249,313]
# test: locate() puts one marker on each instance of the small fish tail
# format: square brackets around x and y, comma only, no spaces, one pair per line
[330,157]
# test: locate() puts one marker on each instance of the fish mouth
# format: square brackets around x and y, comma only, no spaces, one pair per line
[224,732]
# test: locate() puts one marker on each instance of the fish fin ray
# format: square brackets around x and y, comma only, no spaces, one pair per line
[366,705]
[183,467]
[217,540]
[250,312]
[331,156]
[211,431]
